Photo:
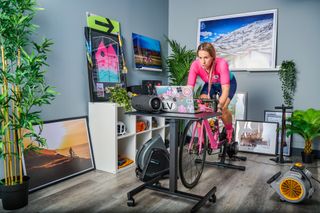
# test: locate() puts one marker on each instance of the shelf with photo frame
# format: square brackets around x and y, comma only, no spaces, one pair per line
[107,145]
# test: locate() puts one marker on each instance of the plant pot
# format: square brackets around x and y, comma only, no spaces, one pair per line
[307,158]
[16,196]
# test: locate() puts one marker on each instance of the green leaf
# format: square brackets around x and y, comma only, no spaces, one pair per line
[16,28]
[288,78]
[305,123]
[178,63]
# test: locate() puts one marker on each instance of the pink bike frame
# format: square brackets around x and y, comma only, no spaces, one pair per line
[213,137]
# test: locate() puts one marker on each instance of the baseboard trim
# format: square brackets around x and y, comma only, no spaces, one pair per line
[297,152]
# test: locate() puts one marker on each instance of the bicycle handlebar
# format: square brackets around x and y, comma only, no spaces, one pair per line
[207,105]
[206,100]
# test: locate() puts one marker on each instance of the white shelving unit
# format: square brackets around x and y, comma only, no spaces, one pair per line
[107,145]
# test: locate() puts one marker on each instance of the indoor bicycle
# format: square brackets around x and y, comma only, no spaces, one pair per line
[194,146]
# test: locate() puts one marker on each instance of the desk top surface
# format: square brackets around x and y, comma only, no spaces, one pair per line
[177,116]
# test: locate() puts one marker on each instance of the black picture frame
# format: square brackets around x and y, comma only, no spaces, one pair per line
[101,79]
[149,86]
[147,53]
[257,136]
[68,152]
[276,116]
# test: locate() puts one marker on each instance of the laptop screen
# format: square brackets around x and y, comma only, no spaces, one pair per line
[176,98]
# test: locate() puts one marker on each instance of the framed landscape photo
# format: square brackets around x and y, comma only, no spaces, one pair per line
[276,116]
[68,152]
[257,136]
[147,53]
[247,40]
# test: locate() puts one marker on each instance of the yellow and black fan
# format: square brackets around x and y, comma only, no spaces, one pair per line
[293,186]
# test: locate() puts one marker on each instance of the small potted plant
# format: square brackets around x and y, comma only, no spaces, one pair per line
[305,123]
[120,96]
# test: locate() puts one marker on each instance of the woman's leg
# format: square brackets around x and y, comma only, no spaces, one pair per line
[226,118]
[226,114]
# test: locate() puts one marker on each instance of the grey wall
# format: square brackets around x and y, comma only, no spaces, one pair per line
[298,39]
[63,21]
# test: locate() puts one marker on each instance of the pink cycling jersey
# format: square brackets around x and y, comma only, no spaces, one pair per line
[220,73]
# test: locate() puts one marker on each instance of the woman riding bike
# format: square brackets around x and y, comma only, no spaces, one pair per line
[214,71]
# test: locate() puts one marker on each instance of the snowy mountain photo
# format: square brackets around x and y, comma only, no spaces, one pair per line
[246,41]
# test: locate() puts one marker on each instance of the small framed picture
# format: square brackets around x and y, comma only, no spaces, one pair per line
[257,136]
[276,116]
[68,152]
[238,107]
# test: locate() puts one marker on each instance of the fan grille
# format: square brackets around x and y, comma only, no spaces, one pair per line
[291,189]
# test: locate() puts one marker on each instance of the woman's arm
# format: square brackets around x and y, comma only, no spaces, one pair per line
[192,77]
[223,67]
[224,96]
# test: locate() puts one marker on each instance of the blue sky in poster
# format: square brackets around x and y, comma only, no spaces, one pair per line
[146,42]
[223,26]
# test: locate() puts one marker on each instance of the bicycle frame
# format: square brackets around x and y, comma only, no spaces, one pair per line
[213,137]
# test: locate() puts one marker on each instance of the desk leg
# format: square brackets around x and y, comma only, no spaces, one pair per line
[173,165]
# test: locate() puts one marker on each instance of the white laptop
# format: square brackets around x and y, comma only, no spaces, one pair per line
[178,99]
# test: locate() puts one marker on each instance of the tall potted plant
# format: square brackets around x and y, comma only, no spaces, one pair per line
[23,87]
[178,63]
[288,78]
[305,123]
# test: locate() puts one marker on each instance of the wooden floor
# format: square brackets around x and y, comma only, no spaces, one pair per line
[237,191]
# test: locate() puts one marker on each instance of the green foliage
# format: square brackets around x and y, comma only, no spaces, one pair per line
[120,96]
[15,24]
[22,81]
[179,62]
[198,90]
[306,124]
[288,78]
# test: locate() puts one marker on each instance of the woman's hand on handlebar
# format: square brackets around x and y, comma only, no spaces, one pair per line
[204,96]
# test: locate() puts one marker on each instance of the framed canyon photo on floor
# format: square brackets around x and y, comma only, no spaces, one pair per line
[247,40]
[68,152]
[257,136]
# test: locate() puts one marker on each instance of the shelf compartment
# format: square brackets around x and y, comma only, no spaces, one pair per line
[142,138]
[126,147]
[126,135]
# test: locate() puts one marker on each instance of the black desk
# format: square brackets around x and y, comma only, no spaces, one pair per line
[173,165]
